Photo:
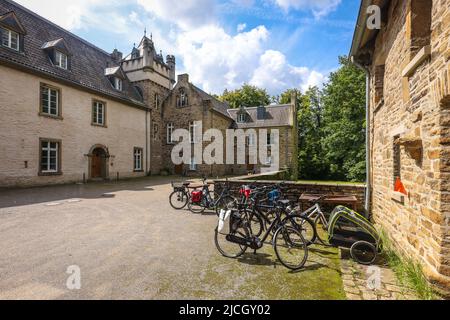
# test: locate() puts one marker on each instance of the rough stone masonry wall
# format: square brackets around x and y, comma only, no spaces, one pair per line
[414,107]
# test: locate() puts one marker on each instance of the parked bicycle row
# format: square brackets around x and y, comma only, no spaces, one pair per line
[261,215]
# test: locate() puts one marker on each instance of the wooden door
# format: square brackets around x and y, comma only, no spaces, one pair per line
[179,169]
[97,164]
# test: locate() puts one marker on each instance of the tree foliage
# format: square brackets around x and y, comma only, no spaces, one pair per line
[247,96]
[331,123]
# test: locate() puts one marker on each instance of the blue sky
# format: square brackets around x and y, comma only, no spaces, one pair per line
[275,44]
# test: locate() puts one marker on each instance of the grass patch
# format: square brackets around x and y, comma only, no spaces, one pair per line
[409,273]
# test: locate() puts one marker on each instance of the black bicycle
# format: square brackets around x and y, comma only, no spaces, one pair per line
[180,196]
[262,215]
[201,200]
[234,238]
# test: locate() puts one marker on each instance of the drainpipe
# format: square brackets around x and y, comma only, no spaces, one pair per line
[368,153]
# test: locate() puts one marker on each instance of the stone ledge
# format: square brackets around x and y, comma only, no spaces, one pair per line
[397,196]
[420,57]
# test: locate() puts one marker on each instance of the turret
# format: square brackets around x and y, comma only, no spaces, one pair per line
[116,55]
[170,61]
[147,52]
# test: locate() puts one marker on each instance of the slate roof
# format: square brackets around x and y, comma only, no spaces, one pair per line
[276,116]
[88,63]
[217,105]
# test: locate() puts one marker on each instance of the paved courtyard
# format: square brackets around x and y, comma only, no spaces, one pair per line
[130,244]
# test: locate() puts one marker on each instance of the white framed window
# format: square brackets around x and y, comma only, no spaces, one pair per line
[118,84]
[170,129]
[138,159]
[60,60]
[193,165]
[50,156]
[269,161]
[50,101]
[182,99]
[10,39]
[242,118]
[98,113]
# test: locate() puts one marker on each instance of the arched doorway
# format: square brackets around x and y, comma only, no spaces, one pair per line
[98,162]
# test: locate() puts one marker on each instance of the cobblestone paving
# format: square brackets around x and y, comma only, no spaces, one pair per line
[362,282]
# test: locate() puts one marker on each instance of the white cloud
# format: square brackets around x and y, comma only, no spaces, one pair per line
[241,27]
[275,74]
[185,14]
[217,60]
[319,8]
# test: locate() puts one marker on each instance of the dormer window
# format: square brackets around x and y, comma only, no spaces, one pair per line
[10,39]
[12,32]
[118,84]
[242,118]
[60,60]
[58,52]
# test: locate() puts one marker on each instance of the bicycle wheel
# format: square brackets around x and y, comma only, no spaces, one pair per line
[229,249]
[290,248]
[196,207]
[304,225]
[322,232]
[256,224]
[226,203]
[179,199]
[363,252]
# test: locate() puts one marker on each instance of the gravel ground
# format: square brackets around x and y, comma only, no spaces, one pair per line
[130,244]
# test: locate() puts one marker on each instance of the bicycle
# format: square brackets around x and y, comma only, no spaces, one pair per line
[180,196]
[316,214]
[288,243]
[261,220]
[206,199]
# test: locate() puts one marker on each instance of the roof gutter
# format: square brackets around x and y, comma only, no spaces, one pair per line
[361,27]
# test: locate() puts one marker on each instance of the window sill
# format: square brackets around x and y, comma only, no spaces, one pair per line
[49,174]
[99,125]
[420,57]
[12,50]
[138,171]
[46,115]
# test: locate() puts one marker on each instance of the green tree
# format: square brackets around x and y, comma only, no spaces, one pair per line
[343,140]
[247,95]
[311,164]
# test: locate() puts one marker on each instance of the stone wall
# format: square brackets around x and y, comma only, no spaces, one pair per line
[21,127]
[413,108]
[295,189]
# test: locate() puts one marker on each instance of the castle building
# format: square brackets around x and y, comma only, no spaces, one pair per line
[407,62]
[71,112]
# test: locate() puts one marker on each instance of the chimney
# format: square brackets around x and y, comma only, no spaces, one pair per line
[183,78]
[117,56]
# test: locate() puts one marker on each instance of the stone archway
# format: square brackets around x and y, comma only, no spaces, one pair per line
[98,162]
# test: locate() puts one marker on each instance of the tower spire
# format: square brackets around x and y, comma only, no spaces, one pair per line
[145,32]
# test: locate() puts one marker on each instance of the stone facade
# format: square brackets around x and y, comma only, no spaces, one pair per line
[21,127]
[408,61]
[140,97]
